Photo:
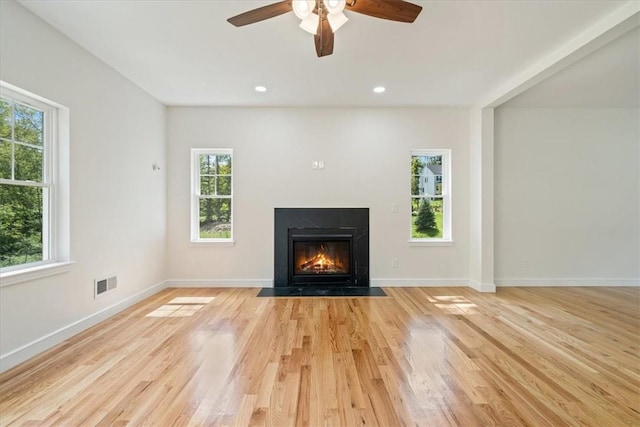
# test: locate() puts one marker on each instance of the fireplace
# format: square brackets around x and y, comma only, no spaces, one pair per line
[326,247]
[320,255]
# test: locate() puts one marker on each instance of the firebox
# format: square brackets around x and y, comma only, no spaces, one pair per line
[321,255]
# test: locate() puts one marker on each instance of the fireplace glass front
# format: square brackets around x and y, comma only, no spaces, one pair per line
[320,256]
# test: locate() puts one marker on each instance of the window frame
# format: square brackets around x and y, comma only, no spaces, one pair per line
[47,185]
[447,232]
[55,205]
[196,197]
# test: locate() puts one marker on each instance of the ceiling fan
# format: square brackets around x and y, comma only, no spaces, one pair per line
[323,17]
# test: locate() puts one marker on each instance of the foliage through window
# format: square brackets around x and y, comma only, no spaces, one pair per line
[430,195]
[212,195]
[25,181]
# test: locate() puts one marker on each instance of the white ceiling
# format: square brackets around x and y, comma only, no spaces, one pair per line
[183,52]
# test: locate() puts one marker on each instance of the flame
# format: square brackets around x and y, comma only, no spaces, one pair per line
[321,262]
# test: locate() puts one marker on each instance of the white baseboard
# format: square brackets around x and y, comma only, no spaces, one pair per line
[431,283]
[482,287]
[219,283]
[27,351]
[567,282]
[268,283]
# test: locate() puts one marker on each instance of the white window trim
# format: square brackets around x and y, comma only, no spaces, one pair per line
[196,240]
[447,233]
[34,272]
[56,170]
[432,242]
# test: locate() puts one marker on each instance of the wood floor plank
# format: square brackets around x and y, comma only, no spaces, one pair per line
[420,356]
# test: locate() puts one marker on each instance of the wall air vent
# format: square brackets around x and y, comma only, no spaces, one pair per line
[104,285]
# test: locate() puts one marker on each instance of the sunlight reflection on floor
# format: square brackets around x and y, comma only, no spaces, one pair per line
[181,307]
[454,304]
[175,310]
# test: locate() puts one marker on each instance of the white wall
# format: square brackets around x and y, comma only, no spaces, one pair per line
[118,203]
[366,152]
[567,196]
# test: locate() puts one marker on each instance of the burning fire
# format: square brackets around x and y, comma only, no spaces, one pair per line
[321,263]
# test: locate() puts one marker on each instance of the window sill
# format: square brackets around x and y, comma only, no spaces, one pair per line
[27,274]
[212,243]
[434,242]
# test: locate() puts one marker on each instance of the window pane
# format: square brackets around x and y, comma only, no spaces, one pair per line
[5,159]
[208,164]
[208,185]
[29,162]
[426,218]
[224,186]
[224,164]
[21,211]
[28,124]
[215,218]
[5,118]
[429,180]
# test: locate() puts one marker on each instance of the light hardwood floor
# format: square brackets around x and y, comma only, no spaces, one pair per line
[421,356]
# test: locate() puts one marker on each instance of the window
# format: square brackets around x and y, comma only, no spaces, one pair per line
[211,195]
[430,195]
[27,190]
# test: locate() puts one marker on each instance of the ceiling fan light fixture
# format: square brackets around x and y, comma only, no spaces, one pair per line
[310,23]
[303,8]
[334,6]
[323,17]
[337,20]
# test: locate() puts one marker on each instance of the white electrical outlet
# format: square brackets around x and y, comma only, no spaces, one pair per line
[394,263]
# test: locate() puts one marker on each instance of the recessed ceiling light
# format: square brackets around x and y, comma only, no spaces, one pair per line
[379,89]
[261,88]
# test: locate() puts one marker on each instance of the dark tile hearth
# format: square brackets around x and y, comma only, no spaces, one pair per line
[320,291]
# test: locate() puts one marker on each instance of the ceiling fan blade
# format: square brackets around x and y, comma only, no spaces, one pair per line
[393,10]
[261,13]
[324,38]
